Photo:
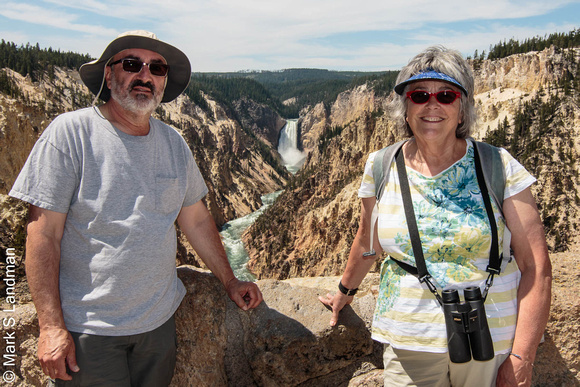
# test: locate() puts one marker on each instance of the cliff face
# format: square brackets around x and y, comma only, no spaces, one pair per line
[260,120]
[308,231]
[23,119]
[237,167]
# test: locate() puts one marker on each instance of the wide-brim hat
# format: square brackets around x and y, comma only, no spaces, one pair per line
[178,77]
[429,74]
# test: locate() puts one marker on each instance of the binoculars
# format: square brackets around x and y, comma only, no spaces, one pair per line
[467,330]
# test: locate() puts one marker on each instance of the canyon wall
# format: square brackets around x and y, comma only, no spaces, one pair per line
[319,210]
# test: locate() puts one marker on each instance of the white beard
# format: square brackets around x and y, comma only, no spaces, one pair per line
[140,104]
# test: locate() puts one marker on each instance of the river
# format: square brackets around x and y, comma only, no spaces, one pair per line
[232,231]
[232,238]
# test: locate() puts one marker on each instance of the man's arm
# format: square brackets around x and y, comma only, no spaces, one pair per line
[55,344]
[199,227]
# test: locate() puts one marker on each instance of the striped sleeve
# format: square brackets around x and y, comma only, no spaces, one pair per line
[367,186]
[517,177]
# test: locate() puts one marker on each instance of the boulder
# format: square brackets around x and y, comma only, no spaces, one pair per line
[286,341]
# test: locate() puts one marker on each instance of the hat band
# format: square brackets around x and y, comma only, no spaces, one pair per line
[429,74]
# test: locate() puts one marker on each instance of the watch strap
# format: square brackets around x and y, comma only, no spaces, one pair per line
[346,291]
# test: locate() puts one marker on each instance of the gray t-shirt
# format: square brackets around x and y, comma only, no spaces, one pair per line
[122,195]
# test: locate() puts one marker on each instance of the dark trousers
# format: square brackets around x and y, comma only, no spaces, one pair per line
[143,360]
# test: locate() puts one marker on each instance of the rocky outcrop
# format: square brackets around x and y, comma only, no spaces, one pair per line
[287,341]
[312,125]
[527,72]
[21,122]
[260,120]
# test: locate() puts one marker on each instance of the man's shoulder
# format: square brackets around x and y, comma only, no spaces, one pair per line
[72,119]
[161,124]
[74,115]
[168,131]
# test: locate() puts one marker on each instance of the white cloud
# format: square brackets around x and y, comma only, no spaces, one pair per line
[47,17]
[228,35]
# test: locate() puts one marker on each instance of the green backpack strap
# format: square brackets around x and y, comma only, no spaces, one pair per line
[382,167]
[381,170]
[493,171]
[494,176]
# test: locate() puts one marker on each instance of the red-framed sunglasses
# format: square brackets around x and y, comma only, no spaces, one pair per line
[135,66]
[444,97]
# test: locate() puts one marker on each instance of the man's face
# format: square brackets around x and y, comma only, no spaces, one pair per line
[140,92]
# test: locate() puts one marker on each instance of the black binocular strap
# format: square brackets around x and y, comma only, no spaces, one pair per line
[421,270]
[494,257]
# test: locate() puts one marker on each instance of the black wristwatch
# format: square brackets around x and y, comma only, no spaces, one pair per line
[345,291]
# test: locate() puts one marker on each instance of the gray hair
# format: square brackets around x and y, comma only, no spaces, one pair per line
[446,61]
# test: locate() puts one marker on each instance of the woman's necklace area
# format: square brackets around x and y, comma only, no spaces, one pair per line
[415,159]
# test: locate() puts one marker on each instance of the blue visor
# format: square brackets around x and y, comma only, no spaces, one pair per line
[427,75]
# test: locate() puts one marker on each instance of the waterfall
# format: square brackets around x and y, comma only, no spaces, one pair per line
[292,157]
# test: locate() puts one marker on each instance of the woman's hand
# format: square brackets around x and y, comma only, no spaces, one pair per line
[357,265]
[514,372]
[336,302]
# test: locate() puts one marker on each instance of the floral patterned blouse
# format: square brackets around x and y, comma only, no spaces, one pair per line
[455,235]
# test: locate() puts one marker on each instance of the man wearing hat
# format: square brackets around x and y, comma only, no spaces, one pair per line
[105,186]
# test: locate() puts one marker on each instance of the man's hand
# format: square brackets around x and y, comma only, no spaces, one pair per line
[56,349]
[246,295]
[336,302]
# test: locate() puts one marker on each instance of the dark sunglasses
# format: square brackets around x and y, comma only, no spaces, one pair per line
[444,97]
[135,66]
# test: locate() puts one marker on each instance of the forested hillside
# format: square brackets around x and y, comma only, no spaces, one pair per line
[29,60]
[537,43]
[296,89]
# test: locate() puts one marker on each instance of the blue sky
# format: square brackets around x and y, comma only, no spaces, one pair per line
[233,35]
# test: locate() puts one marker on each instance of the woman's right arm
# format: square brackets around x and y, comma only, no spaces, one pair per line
[357,266]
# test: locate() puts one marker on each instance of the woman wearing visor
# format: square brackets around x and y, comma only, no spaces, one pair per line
[434,105]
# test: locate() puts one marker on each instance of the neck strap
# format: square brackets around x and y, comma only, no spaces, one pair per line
[421,270]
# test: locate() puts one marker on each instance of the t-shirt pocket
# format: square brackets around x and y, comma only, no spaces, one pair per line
[169,196]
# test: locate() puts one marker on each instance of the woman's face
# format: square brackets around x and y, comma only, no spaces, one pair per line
[433,120]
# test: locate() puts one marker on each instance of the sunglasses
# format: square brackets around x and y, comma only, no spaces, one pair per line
[135,66]
[444,97]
